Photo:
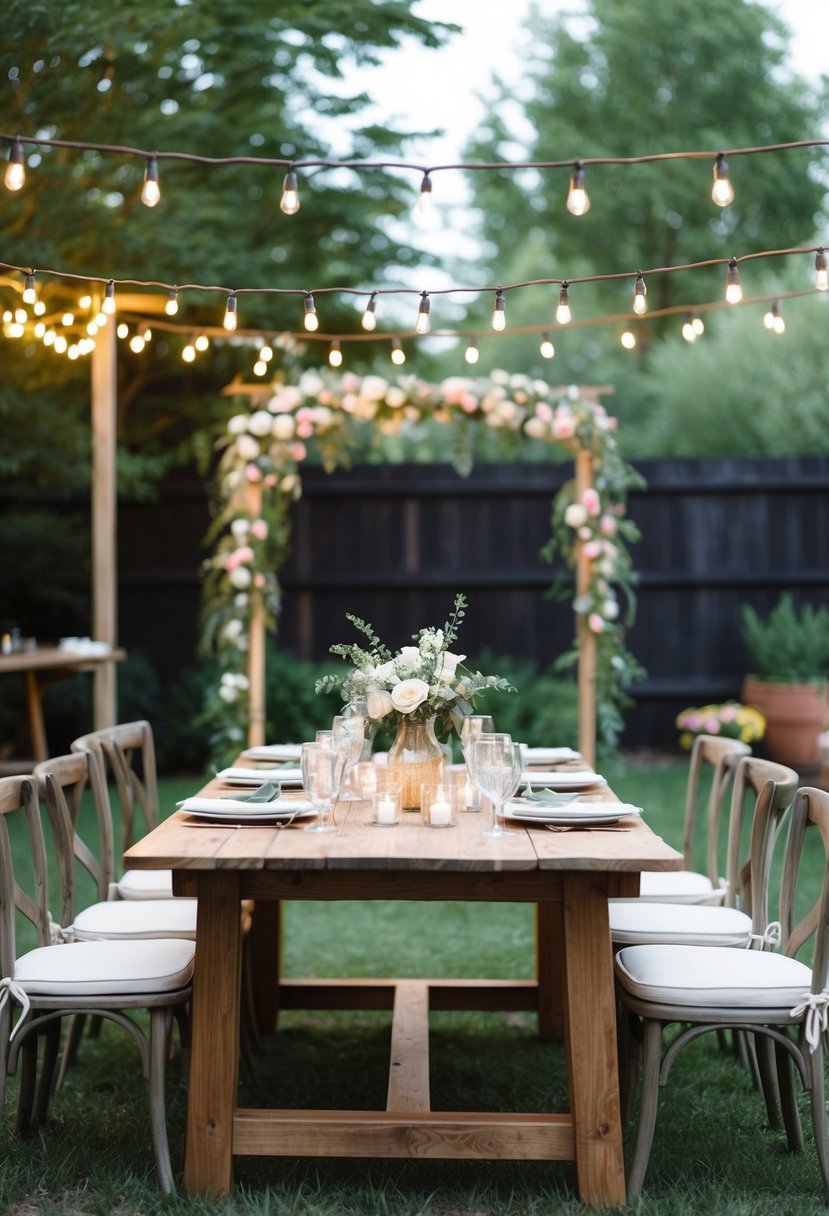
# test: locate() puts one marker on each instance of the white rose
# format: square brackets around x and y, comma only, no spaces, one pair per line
[408,695]
[240,577]
[239,528]
[385,673]
[395,397]
[535,428]
[247,447]
[283,426]
[260,423]
[499,376]
[310,384]
[378,703]
[575,515]
[374,388]
[238,424]
[407,661]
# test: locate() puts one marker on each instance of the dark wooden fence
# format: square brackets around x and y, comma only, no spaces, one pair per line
[393,544]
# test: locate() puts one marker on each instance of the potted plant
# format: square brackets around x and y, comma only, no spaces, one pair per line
[789,666]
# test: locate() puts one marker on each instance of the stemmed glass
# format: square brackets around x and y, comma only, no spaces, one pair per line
[496,770]
[318,762]
[349,732]
[471,728]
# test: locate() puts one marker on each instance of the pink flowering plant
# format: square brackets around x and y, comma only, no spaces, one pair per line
[730,720]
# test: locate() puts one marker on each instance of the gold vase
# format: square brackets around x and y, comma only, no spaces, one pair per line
[415,759]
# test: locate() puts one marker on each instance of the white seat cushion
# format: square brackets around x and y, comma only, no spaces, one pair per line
[106,968]
[145,884]
[635,922]
[128,919]
[679,886]
[709,975]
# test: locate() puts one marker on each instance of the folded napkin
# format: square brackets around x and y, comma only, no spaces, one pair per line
[561,778]
[196,804]
[274,751]
[268,791]
[548,755]
[277,772]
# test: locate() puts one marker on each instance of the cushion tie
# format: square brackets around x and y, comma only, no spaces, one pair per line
[59,936]
[11,990]
[815,1005]
[771,937]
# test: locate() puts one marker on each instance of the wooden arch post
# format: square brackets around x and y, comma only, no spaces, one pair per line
[586,637]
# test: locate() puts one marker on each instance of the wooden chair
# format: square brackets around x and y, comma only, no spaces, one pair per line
[773,996]
[127,752]
[110,979]
[688,886]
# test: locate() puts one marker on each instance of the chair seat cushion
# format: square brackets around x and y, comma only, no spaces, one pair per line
[711,976]
[679,886]
[635,921]
[106,968]
[128,919]
[145,884]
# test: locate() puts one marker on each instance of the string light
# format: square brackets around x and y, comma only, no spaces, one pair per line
[137,343]
[693,328]
[773,319]
[733,290]
[201,343]
[578,200]
[640,292]
[15,170]
[109,306]
[499,313]
[335,354]
[188,353]
[546,349]
[722,192]
[289,203]
[231,318]
[398,355]
[472,354]
[260,367]
[265,353]
[424,200]
[310,320]
[423,323]
[67,319]
[122,330]
[171,306]
[369,319]
[821,272]
[151,192]
[563,314]
[628,339]
[29,291]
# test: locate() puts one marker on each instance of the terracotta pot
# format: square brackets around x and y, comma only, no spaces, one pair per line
[795,716]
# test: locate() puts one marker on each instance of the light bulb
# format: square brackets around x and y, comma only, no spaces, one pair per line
[73,351]
[151,192]
[85,302]
[563,314]
[202,342]
[699,328]
[472,354]
[108,306]
[423,323]
[39,308]
[171,306]
[136,344]
[260,367]
[29,291]
[773,320]
[821,272]
[546,349]
[21,316]
[335,354]
[265,354]
[628,339]
[40,329]
[49,337]
[499,313]
[398,355]
[640,292]
[92,328]
[231,319]
[68,318]
[122,330]
[688,331]
[722,192]
[147,333]
[311,321]
[289,203]
[578,200]
[15,169]
[60,344]
[369,321]
[733,290]
[188,353]
[424,201]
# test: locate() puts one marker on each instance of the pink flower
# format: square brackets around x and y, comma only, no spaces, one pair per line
[592,549]
[305,428]
[543,411]
[325,397]
[596,622]
[349,402]
[564,426]
[607,525]
[259,580]
[269,480]
[591,500]
[728,714]
[298,451]
[712,726]
[253,472]
[468,403]
[259,529]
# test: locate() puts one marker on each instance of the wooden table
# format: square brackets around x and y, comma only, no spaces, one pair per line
[569,876]
[40,667]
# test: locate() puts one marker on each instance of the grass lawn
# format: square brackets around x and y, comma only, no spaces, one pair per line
[712,1152]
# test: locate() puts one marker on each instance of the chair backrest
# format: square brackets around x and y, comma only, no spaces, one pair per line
[18,797]
[810,811]
[128,752]
[722,756]
[765,790]
[62,782]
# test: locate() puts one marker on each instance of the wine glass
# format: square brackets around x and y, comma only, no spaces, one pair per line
[471,727]
[318,762]
[349,732]
[497,771]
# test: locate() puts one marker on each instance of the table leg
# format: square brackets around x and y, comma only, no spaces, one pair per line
[266,963]
[549,970]
[592,1063]
[214,1057]
[37,728]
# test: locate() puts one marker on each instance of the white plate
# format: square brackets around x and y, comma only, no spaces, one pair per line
[548,755]
[256,776]
[274,751]
[564,818]
[565,780]
[248,812]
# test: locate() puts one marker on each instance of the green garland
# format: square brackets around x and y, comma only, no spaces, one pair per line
[262,453]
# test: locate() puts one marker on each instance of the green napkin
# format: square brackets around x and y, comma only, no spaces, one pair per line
[548,797]
[269,791]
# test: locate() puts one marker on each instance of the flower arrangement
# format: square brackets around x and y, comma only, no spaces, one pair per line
[418,683]
[731,720]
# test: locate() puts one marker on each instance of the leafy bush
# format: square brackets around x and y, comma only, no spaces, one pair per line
[788,647]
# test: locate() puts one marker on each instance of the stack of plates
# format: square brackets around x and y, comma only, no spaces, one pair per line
[548,755]
[231,810]
[582,814]
[274,752]
[255,776]
[565,779]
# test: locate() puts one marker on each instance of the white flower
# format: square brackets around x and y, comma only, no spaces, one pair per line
[239,528]
[240,577]
[386,674]
[240,600]
[378,703]
[407,661]
[449,665]
[233,629]
[310,384]
[288,398]
[260,423]
[499,376]
[408,695]
[247,447]
[374,388]
[535,428]
[238,424]
[321,415]
[575,515]
[395,397]
[283,426]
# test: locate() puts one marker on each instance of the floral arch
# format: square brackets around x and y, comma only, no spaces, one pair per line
[259,480]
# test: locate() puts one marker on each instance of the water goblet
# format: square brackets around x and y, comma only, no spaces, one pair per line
[318,765]
[471,727]
[497,774]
